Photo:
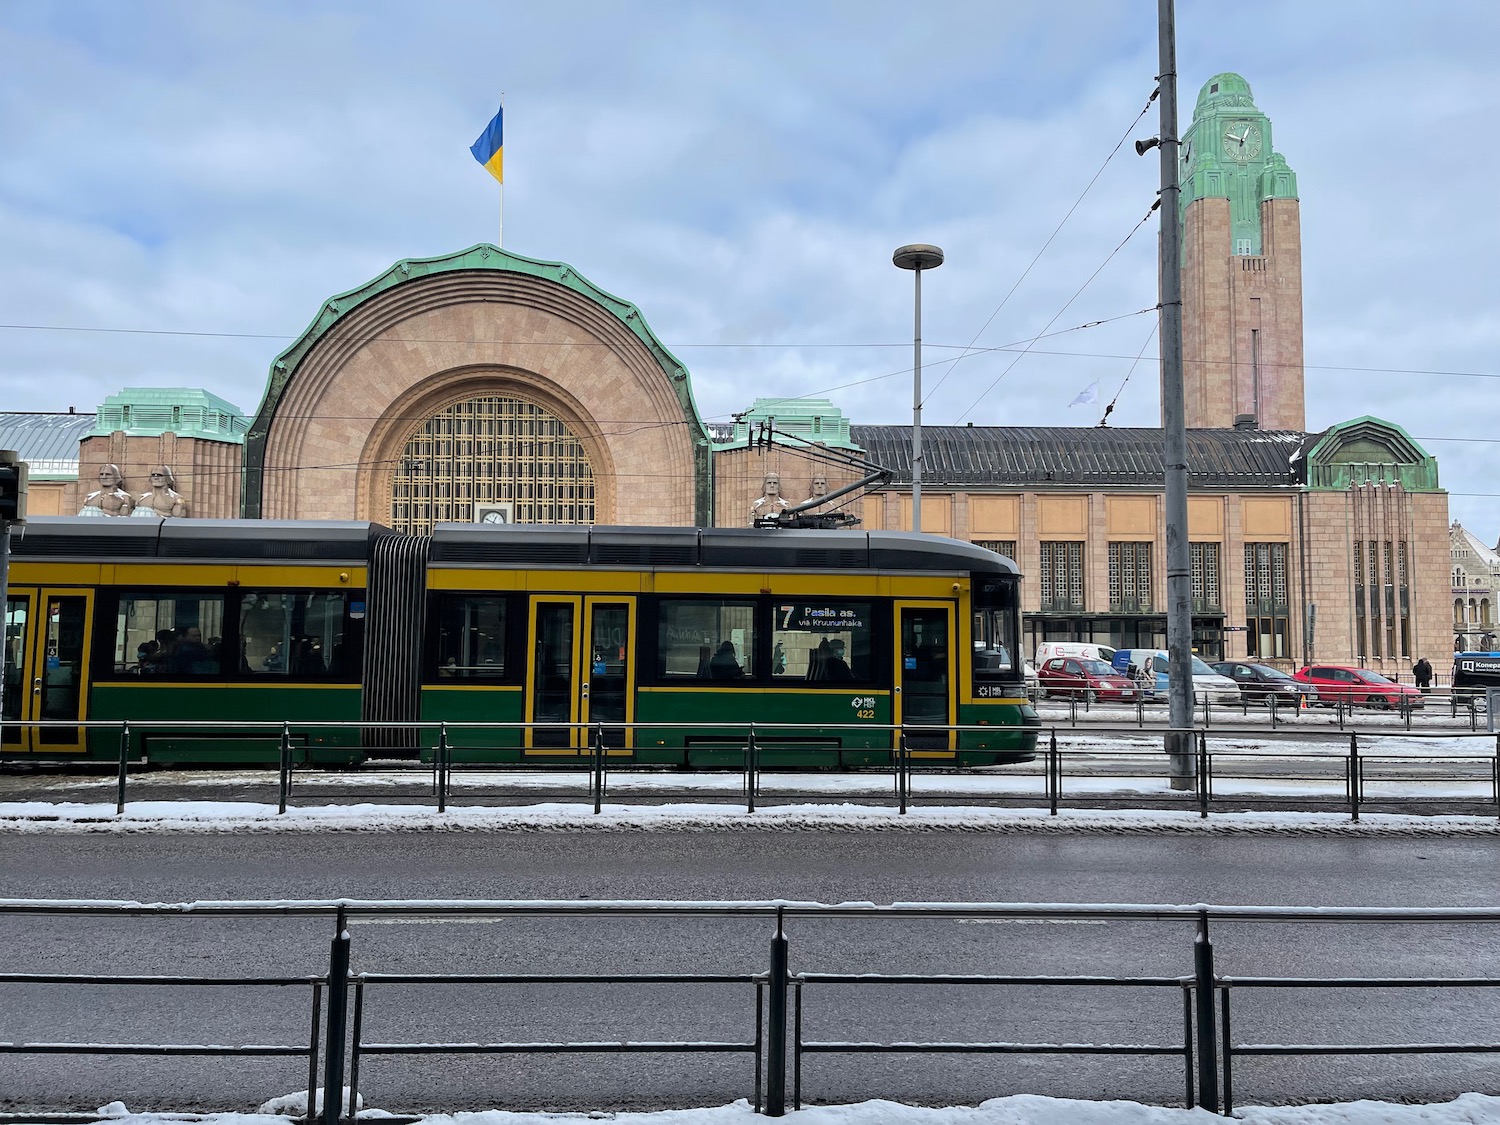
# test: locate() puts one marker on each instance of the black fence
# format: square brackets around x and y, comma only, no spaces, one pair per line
[1353,770]
[1196,1029]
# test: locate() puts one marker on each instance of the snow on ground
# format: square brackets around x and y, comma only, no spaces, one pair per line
[826,802]
[1118,768]
[1020,1109]
[554,816]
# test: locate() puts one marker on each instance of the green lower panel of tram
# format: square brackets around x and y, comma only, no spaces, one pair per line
[462,707]
[1013,726]
[150,710]
[708,729]
[705,728]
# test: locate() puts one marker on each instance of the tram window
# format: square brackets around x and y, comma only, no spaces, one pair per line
[992,640]
[996,637]
[176,637]
[296,634]
[828,642]
[706,639]
[470,636]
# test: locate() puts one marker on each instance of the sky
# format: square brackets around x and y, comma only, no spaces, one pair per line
[182,184]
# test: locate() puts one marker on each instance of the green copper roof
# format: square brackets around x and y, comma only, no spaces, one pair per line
[1368,451]
[812,419]
[482,257]
[1227,154]
[185,411]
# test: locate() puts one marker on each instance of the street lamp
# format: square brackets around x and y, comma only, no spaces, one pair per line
[917,257]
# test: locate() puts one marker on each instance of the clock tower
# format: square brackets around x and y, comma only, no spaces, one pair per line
[1241,267]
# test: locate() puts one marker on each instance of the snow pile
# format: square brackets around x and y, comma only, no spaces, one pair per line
[1020,1109]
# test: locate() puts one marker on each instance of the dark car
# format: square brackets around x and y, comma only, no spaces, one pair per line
[1260,683]
[1083,678]
[1356,687]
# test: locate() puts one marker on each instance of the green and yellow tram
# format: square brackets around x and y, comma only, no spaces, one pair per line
[664,643]
[205,620]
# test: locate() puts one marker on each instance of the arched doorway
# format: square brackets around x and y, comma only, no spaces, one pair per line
[491,456]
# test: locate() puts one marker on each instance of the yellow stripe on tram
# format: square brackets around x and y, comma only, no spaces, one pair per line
[159,683]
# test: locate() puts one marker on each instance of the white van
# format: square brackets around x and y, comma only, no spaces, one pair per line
[1150,671]
[1049,650]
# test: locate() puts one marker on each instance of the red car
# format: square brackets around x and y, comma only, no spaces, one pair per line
[1357,687]
[1081,678]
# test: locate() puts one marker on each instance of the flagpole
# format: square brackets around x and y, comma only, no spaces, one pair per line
[500,224]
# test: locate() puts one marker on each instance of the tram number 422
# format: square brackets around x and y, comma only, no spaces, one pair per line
[864,706]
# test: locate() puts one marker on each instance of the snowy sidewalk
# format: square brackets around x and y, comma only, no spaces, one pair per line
[1020,1109]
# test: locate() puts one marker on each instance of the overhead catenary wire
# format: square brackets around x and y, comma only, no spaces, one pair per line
[1026,350]
[1050,238]
[969,350]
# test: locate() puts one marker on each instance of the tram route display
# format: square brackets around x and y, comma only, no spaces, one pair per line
[656,637]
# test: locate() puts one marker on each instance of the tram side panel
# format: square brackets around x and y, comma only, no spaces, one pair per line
[670,668]
[230,646]
[474,662]
[189,633]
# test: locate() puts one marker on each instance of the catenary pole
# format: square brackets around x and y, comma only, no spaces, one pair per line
[1178,744]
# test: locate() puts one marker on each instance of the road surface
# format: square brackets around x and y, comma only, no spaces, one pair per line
[828,866]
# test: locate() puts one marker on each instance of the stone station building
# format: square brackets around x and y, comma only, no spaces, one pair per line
[487,386]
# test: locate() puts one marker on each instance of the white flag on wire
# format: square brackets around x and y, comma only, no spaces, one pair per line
[1089,394]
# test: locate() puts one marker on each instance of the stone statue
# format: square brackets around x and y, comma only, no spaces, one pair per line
[110,499]
[770,503]
[163,500]
[818,489]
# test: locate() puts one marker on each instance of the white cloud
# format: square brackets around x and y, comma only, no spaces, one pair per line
[742,175]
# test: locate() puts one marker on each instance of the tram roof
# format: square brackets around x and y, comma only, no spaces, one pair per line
[149,538]
[720,548]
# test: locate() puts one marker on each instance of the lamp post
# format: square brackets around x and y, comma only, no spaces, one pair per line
[917,257]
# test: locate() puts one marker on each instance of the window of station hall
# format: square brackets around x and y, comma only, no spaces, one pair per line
[492,452]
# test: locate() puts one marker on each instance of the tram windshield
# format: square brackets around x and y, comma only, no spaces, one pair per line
[996,623]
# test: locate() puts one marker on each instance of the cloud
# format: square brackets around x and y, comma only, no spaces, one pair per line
[742,174]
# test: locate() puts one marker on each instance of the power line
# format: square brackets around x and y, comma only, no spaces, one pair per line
[1055,231]
[1076,293]
[968,350]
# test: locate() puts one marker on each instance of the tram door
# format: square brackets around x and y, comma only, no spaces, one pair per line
[924,680]
[608,695]
[582,670]
[46,658]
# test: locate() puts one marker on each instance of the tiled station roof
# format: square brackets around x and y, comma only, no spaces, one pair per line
[1030,456]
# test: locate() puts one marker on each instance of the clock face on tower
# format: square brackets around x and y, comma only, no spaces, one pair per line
[1241,140]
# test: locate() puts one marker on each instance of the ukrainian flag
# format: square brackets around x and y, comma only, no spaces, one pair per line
[488,149]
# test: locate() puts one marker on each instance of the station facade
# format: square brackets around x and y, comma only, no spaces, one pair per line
[487,386]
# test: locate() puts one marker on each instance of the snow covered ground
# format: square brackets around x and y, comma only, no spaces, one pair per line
[832,802]
[1122,769]
[1021,1109]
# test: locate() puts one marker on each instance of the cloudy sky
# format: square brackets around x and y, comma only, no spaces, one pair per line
[182,184]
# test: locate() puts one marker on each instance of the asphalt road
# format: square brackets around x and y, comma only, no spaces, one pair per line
[826,866]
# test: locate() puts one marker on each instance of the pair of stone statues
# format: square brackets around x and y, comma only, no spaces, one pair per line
[771,503]
[111,499]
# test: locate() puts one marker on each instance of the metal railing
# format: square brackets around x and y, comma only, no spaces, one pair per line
[1200,1034]
[1342,774]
